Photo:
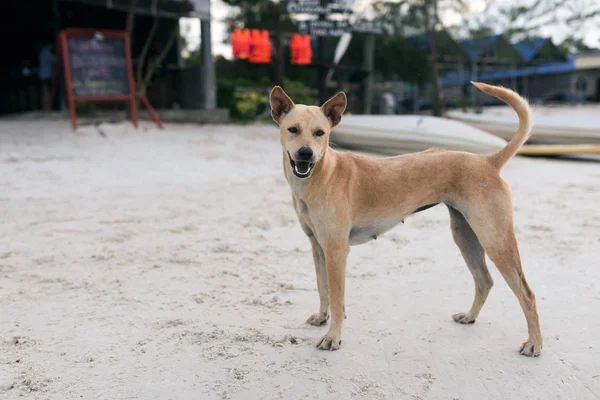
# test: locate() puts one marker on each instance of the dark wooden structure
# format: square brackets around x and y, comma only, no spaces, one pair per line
[29,25]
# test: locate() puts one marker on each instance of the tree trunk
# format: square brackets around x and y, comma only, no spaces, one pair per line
[431,20]
[435,79]
[143,85]
[369,67]
[280,66]
[131,21]
[144,78]
[145,49]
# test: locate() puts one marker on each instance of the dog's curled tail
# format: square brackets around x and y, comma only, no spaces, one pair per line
[521,107]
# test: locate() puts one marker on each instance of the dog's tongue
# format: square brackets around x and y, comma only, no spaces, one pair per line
[302,166]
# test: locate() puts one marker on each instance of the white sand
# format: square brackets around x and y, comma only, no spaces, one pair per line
[170,265]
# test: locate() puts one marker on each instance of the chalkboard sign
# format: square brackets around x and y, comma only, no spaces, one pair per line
[98,67]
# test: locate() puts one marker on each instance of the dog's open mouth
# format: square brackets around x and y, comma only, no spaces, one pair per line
[301,168]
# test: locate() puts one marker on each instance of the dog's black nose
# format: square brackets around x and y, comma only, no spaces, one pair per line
[305,154]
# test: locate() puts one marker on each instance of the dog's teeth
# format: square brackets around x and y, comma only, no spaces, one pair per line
[302,173]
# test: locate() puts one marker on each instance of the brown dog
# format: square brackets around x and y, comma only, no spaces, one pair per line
[344,199]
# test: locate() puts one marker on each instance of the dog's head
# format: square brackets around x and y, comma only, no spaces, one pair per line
[305,129]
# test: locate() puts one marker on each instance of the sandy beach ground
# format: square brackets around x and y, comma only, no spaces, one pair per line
[169,265]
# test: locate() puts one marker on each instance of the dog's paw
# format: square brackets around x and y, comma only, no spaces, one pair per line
[463,318]
[331,341]
[318,319]
[531,349]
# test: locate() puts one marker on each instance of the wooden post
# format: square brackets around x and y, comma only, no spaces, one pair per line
[368,63]
[207,71]
[133,101]
[280,68]
[514,78]
[322,75]
[473,88]
[67,67]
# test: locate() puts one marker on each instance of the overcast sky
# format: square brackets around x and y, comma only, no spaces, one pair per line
[590,32]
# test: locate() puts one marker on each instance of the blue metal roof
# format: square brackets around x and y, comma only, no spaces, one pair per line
[476,47]
[453,78]
[528,48]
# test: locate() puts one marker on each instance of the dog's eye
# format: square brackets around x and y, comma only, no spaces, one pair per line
[319,133]
[293,129]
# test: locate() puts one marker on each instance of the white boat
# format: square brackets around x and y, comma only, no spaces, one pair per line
[397,134]
[567,125]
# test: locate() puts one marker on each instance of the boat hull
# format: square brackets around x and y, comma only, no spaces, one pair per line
[406,134]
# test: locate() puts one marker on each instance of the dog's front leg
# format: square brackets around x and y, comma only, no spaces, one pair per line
[336,254]
[322,316]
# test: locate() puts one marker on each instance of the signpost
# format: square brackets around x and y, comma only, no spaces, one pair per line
[324,27]
[336,28]
[373,27]
[319,7]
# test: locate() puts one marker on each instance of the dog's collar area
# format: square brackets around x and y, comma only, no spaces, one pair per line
[301,169]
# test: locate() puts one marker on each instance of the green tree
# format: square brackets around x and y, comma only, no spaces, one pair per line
[269,15]
[145,70]
[574,46]
[519,20]
[423,17]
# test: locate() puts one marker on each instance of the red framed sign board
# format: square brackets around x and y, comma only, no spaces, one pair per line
[97,67]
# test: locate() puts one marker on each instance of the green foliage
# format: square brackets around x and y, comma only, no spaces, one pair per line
[260,14]
[290,85]
[272,16]
[243,106]
[226,95]
[481,32]
[574,46]
[251,105]
[517,20]
[396,58]
[399,57]
[193,60]
[242,74]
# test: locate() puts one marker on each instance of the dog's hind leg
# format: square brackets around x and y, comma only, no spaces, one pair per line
[506,257]
[493,225]
[322,316]
[474,257]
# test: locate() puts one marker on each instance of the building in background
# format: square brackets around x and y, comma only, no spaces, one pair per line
[587,74]
[535,68]
[28,26]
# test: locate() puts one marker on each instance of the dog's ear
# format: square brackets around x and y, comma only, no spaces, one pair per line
[334,108]
[281,104]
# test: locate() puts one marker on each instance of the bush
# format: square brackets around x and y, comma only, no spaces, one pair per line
[248,106]
[300,98]
[242,106]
